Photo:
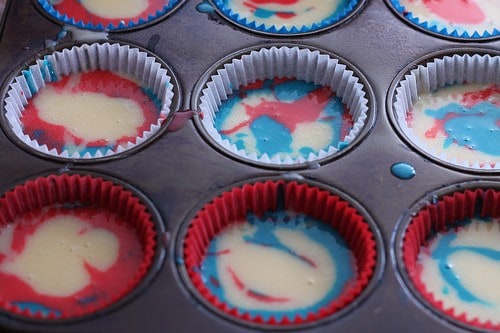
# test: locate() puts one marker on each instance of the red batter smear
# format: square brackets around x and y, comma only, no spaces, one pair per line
[438,127]
[104,82]
[281,14]
[104,287]
[254,294]
[280,2]
[456,11]
[73,9]
[472,98]
[305,109]
[307,260]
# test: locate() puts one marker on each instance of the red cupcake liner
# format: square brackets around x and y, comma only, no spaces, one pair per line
[260,197]
[82,191]
[438,217]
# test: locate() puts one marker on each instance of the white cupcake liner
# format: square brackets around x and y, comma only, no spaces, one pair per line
[116,58]
[436,74]
[284,62]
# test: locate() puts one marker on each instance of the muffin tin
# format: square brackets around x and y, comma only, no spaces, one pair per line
[178,171]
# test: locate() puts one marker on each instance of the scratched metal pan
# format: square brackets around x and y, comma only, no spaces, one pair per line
[179,171]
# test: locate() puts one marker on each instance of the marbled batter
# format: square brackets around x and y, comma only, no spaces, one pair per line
[87,112]
[456,15]
[109,12]
[459,122]
[284,117]
[271,268]
[461,268]
[64,261]
[286,13]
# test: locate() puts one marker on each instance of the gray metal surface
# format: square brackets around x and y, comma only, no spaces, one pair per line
[179,170]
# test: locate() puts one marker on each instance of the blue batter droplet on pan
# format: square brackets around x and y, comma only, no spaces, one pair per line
[403,170]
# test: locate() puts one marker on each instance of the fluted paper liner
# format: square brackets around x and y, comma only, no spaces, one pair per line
[437,74]
[345,10]
[284,62]
[440,217]
[116,58]
[258,198]
[105,24]
[82,191]
[456,31]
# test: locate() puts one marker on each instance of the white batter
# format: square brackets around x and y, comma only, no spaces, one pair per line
[274,272]
[115,9]
[54,257]
[87,115]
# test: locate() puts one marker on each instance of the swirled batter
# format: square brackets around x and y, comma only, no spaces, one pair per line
[462,266]
[272,268]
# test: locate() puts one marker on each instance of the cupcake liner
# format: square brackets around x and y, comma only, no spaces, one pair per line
[75,13]
[441,27]
[446,214]
[438,75]
[260,198]
[123,60]
[34,202]
[281,63]
[293,23]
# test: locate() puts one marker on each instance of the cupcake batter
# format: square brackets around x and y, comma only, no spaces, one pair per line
[109,13]
[276,269]
[460,267]
[88,112]
[113,9]
[286,13]
[459,122]
[54,257]
[463,16]
[67,261]
[283,117]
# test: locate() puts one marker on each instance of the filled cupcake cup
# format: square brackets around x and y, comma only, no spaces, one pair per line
[447,252]
[476,20]
[72,245]
[277,209]
[120,96]
[306,75]
[287,19]
[447,108]
[103,16]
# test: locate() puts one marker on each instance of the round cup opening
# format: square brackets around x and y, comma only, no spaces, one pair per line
[46,104]
[476,21]
[73,246]
[445,249]
[445,106]
[275,217]
[287,19]
[259,91]
[98,16]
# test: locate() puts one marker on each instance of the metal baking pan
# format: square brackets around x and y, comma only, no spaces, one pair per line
[178,171]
